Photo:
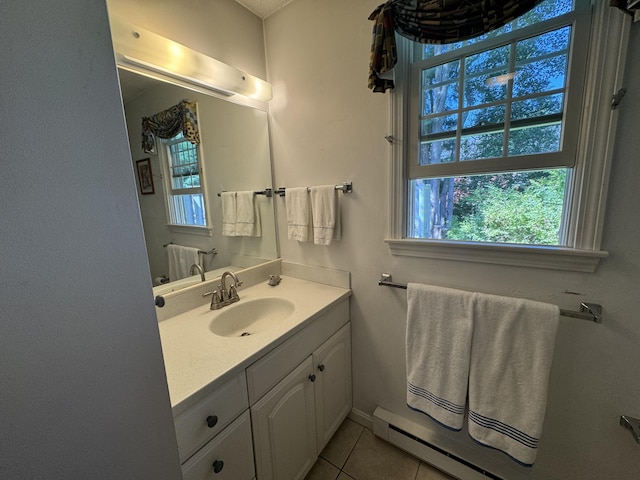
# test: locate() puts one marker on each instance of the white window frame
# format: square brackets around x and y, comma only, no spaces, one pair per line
[604,75]
[162,146]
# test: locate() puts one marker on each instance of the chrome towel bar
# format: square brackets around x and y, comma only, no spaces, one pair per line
[345,187]
[268,192]
[213,251]
[588,311]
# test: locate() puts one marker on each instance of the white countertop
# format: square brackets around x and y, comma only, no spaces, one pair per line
[198,361]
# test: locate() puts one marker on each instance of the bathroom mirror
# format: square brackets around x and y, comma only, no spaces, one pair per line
[235,156]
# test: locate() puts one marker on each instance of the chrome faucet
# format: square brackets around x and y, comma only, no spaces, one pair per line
[230,294]
[225,296]
[200,270]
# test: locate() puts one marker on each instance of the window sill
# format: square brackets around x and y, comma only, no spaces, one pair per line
[190,229]
[554,258]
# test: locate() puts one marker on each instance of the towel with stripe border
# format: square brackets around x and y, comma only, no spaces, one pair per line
[438,343]
[498,350]
[511,356]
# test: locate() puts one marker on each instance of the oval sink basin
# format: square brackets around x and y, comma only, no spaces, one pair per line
[249,317]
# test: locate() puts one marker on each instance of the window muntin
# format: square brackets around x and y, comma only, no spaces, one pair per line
[492,105]
[507,91]
[185,195]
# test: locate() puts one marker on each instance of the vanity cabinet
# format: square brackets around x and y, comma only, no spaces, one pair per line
[229,456]
[272,419]
[293,421]
[284,427]
[332,388]
[214,435]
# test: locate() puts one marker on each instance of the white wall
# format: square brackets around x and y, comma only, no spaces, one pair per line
[327,127]
[82,386]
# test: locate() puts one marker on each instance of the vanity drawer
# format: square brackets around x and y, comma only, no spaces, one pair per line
[209,416]
[229,456]
[274,366]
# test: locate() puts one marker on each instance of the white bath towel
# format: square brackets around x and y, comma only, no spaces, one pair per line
[247,215]
[511,354]
[298,213]
[325,213]
[180,260]
[438,339]
[228,213]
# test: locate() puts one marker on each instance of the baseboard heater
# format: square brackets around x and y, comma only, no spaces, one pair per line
[410,437]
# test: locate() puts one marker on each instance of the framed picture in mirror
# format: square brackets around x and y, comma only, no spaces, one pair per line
[145,178]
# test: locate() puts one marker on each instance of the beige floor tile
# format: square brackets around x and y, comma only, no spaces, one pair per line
[375,459]
[323,470]
[344,476]
[427,472]
[341,444]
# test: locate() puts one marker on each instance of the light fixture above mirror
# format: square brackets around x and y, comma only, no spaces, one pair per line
[150,54]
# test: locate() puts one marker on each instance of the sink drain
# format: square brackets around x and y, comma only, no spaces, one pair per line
[245,334]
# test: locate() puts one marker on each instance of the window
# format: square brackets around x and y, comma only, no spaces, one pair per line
[502,140]
[185,194]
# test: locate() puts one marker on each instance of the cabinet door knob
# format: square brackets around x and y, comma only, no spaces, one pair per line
[321,367]
[312,378]
[212,420]
[217,466]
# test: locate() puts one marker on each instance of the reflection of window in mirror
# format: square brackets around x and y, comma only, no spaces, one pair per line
[184,191]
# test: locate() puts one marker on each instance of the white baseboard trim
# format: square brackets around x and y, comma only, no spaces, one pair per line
[361,418]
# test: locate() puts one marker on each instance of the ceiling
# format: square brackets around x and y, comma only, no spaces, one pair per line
[263,8]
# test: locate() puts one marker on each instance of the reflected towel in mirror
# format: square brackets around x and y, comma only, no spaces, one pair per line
[180,260]
[228,213]
[247,215]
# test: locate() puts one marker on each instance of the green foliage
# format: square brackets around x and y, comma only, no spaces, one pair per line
[524,212]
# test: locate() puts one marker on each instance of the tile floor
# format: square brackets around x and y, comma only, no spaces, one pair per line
[354,453]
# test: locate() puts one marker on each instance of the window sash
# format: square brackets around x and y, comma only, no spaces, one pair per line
[177,200]
[179,170]
[607,46]
[579,22]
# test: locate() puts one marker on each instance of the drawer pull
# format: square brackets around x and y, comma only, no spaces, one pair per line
[321,367]
[217,466]
[312,378]
[212,420]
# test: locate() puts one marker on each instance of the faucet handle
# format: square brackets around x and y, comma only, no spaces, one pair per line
[216,299]
[233,294]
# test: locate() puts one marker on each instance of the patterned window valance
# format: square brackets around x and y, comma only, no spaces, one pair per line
[169,123]
[625,6]
[433,21]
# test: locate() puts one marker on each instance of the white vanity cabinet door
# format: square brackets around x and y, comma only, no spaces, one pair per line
[201,422]
[333,393]
[229,456]
[265,373]
[284,429]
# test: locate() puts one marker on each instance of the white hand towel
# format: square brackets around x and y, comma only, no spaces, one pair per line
[439,331]
[511,354]
[325,213]
[180,260]
[247,215]
[298,213]
[228,213]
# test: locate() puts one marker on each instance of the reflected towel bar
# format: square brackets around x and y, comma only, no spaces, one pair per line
[588,311]
[345,187]
[212,251]
[267,192]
